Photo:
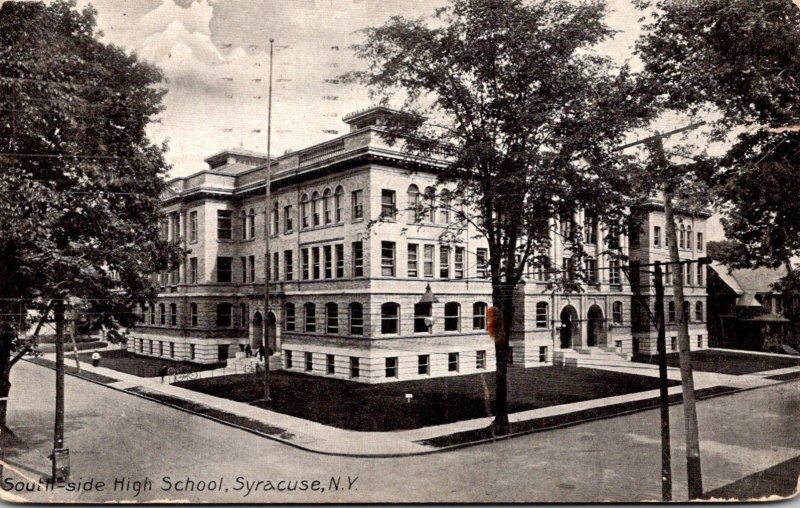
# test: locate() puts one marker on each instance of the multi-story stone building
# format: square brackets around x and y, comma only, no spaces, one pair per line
[363,284]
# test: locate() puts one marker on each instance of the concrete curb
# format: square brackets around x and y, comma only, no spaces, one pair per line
[443,449]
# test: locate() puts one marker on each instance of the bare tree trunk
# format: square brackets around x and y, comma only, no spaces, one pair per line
[694,471]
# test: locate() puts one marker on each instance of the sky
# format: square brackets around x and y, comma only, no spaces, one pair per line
[215,56]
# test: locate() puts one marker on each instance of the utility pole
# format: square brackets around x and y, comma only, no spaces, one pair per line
[59,472]
[661,346]
[267,218]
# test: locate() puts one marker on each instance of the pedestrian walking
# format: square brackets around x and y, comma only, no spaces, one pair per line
[95,359]
[163,372]
[248,351]
[261,352]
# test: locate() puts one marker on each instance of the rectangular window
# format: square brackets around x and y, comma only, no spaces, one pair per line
[252,261]
[689,275]
[275,220]
[591,271]
[459,263]
[412,260]
[388,204]
[304,253]
[481,262]
[288,355]
[699,341]
[700,269]
[288,225]
[700,242]
[172,350]
[423,364]
[358,259]
[355,370]
[315,259]
[480,360]
[193,313]
[192,227]
[674,343]
[328,255]
[444,262]
[244,226]
[173,314]
[224,225]
[243,260]
[613,272]
[452,362]
[289,321]
[427,260]
[276,266]
[358,204]
[193,270]
[191,351]
[288,267]
[542,354]
[330,364]
[309,363]
[391,367]
[339,249]
[224,266]
[251,222]
[387,259]
[656,236]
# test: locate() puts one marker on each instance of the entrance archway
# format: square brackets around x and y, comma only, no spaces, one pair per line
[256,330]
[272,336]
[570,327]
[596,334]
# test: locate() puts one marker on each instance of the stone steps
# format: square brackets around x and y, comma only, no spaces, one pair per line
[588,357]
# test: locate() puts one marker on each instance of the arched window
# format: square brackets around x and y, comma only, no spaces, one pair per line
[304,209]
[245,229]
[251,223]
[430,203]
[541,315]
[338,197]
[327,206]
[356,319]
[331,318]
[152,313]
[173,314]
[682,237]
[671,312]
[452,317]
[616,313]
[689,237]
[315,208]
[687,308]
[479,315]
[224,315]
[310,317]
[444,207]
[413,203]
[193,313]
[289,317]
[423,313]
[390,318]
[698,311]
[162,312]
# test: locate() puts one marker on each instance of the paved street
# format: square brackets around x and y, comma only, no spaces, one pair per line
[116,435]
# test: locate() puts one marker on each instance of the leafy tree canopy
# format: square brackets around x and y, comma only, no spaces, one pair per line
[79,179]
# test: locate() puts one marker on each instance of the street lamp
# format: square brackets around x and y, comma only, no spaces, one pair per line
[428,297]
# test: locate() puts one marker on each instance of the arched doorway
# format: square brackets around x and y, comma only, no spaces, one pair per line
[272,335]
[256,330]
[570,327]
[596,334]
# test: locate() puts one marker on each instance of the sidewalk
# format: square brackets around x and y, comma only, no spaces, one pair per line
[315,437]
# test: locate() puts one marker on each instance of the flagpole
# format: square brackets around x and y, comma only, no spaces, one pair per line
[267,219]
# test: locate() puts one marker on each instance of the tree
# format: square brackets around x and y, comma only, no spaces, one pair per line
[528,116]
[739,60]
[79,180]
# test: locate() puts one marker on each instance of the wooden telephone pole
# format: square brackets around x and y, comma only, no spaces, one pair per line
[267,219]
[661,346]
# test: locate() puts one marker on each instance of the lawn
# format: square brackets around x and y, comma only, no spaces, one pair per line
[726,362]
[436,401]
[142,366]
